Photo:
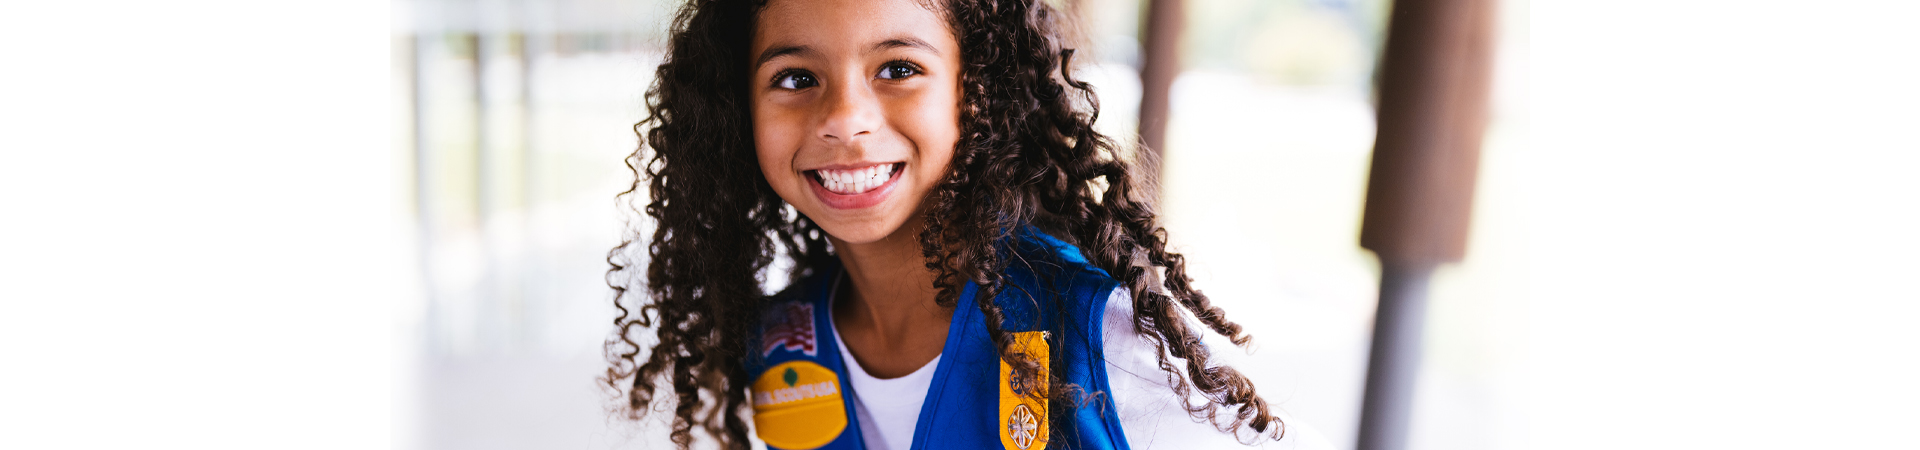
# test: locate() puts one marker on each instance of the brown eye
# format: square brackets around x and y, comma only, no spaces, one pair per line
[897,70]
[795,80]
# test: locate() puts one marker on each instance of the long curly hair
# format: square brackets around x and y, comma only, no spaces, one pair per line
[1028,156]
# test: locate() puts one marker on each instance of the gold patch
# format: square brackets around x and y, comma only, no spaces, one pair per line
[1023,404]
[797,405]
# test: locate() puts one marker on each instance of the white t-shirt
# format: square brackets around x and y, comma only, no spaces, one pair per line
[888,410]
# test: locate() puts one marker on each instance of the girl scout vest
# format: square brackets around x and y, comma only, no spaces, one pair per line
[802,399]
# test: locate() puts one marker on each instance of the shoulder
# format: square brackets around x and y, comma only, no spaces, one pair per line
[1045,276]
[1049,257]
[1151,413]
[1032,244]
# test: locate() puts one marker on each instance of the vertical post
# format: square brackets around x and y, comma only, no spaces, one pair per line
[423,180]
[417,73]
[1394,363]
[483,165]
[1160,63]
[1433,105]
[527,51]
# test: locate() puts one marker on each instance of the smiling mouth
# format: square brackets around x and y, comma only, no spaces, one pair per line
[856,181]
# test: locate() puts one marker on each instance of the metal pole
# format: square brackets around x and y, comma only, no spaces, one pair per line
[1393,365]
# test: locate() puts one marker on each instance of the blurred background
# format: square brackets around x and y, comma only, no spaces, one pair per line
[512,118]
[366,224]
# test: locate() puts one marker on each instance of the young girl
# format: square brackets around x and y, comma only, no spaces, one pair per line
[973,265]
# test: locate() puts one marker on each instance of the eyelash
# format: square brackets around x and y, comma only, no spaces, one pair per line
[780,79]
[901,64]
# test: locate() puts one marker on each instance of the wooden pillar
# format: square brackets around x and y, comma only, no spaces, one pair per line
[1160,63]
[1434,82]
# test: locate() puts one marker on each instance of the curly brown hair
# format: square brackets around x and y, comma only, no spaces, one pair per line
[1028,156]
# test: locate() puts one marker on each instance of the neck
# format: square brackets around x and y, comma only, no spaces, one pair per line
[886,308]
[890,283]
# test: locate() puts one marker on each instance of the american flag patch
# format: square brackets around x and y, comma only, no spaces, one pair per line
[789,326]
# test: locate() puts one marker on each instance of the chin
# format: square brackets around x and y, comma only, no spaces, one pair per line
[865,232]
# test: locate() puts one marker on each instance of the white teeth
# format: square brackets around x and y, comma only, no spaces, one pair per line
[856,180]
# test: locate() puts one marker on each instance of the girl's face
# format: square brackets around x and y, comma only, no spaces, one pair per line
[855,109]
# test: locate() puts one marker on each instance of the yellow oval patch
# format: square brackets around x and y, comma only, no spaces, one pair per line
[797,405]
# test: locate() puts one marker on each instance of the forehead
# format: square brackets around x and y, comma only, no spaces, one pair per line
[826,24]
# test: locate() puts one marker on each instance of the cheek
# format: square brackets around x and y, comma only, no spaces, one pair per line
[936,120]
[774,143]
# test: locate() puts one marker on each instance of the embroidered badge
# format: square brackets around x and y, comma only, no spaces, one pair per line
[789,326]
[1023,401]
[1021,427]
[797,405]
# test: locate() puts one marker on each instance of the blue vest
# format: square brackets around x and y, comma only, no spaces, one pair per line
[800,393]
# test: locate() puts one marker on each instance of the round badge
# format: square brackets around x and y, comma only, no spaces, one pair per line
[797,405]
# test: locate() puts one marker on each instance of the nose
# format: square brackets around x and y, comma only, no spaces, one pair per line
[851,110]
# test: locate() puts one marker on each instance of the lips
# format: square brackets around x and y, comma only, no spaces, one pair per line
[854,187]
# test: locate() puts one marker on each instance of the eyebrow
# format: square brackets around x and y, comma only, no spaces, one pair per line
[899,42]
[801,50]
[783,50]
